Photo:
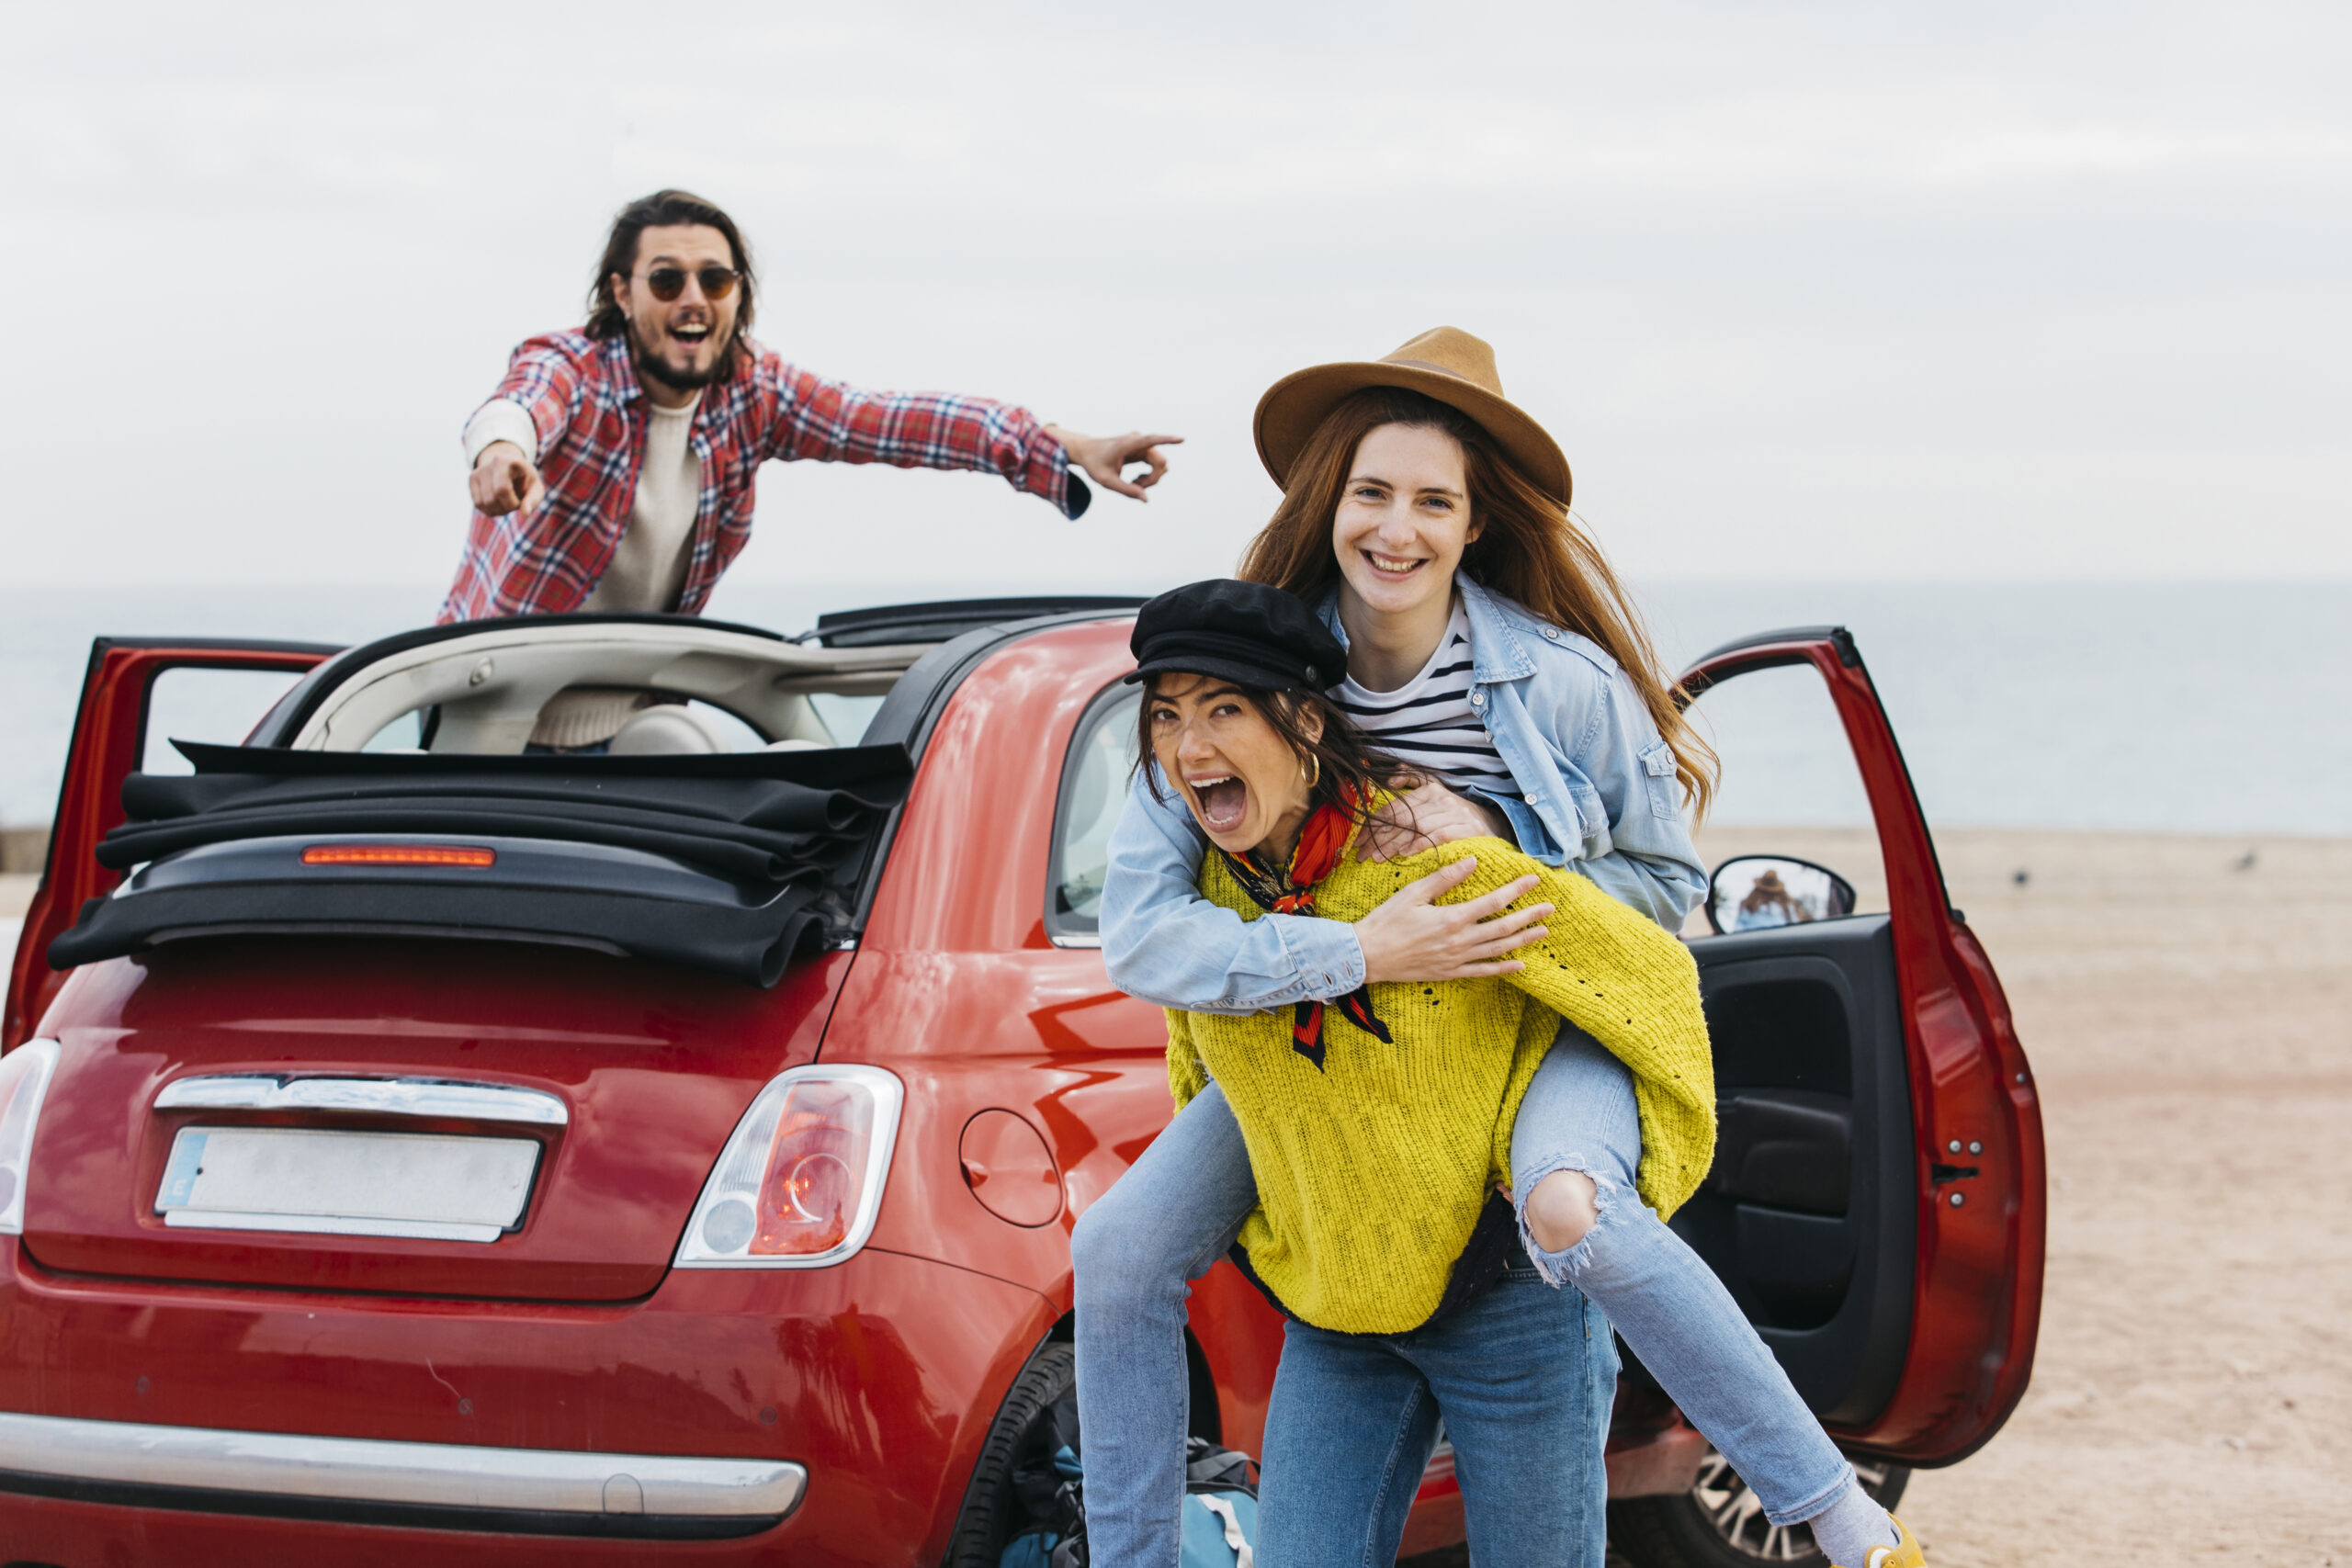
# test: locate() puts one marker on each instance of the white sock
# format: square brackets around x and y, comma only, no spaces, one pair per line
[1850,1526]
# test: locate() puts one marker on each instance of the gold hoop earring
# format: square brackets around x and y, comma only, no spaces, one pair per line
[1317,777]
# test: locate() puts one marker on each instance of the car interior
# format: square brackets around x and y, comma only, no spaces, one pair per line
[704,690]
[748,782]
[705,687]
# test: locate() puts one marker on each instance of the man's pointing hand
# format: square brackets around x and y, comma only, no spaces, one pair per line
[502,479]
[1103,456]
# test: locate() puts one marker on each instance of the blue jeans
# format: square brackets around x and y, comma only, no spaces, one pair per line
[1354,1418]
[1579,1114]
[1166,1221]
[1179,1208]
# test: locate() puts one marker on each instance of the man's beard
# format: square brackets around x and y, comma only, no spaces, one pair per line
[652,369]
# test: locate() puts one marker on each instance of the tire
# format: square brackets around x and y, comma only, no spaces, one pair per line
[991,1509]
[1718,1524]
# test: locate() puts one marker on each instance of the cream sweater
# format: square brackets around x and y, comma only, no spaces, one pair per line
[649,566]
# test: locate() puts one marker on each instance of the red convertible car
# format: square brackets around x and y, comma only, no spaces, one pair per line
[414,1148]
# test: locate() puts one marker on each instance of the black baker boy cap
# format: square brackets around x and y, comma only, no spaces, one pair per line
[1247,632]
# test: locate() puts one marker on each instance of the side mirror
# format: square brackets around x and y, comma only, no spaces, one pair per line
[1754,892]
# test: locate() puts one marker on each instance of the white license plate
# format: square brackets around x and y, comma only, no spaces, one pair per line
[314,1179]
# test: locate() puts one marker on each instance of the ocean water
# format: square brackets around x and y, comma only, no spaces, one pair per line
[2126,706]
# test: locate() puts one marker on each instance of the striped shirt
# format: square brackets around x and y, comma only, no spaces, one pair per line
[1429,722]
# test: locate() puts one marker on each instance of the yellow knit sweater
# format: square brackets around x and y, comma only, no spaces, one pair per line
[1373,1170]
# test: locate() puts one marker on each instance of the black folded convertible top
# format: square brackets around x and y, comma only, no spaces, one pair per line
[730,863]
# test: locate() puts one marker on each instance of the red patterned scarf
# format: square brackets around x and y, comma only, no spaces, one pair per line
[1320,844]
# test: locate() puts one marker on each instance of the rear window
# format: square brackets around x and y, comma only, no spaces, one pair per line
[1094,785]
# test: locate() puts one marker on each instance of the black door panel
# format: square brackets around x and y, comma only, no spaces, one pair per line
[1808,1215]
[1785,1148]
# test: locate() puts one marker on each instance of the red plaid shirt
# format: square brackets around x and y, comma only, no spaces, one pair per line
[584,397]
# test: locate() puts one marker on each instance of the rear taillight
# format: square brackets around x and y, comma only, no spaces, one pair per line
[24,1079]
[798,1184]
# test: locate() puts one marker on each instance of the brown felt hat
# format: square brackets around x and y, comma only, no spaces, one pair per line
[1444,363]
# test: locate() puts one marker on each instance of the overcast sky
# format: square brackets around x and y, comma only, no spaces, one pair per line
[2050,289]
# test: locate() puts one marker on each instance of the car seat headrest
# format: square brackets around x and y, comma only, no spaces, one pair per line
[670,729]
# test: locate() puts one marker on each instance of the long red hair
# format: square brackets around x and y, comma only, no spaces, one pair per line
[1528,550]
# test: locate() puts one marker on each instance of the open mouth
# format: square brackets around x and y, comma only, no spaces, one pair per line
[694,334]
[1224,800]
[1393,566]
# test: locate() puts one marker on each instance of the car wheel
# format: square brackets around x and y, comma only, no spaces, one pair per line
[991,1509]
[1719,1524]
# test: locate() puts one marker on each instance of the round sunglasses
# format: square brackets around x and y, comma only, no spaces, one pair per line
[667,283]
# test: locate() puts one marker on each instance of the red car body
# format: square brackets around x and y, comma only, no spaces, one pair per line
[880,1375]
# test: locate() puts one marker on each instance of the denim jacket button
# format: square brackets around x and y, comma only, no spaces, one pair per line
[1477,699]
[1551,634]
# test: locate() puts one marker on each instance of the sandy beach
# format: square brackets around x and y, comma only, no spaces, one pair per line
[15,892]
[2185,1011]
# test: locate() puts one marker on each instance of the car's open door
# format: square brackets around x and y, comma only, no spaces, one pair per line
[109,739]
[1877,1203]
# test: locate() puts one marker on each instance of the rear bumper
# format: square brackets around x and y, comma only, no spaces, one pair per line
[817,1416]
[425,1485]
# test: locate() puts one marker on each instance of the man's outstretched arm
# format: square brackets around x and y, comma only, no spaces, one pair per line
[528,412]
[832,422]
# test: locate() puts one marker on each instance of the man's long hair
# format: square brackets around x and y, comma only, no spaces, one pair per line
[1528,550]
[664,209]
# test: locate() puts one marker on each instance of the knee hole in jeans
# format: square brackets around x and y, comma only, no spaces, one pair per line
[1562,1210]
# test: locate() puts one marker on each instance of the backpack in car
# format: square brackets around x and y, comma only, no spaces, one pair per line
[1055,1535]
[1219,1519]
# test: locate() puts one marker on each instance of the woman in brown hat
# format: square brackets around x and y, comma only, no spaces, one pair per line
[1490,649]
[1769,903]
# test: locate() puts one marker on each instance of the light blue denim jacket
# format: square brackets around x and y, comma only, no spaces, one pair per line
[1598,793]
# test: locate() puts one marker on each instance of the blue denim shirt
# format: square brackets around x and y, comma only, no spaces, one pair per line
[1597,792]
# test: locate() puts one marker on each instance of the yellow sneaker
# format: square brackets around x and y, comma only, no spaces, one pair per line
[1906,1554]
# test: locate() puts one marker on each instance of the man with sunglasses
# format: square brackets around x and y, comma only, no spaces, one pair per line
[613,467]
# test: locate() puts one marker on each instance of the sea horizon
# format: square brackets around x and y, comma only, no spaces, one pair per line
[2105,706]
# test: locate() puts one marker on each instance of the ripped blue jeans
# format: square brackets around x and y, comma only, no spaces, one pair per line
[1579,1114]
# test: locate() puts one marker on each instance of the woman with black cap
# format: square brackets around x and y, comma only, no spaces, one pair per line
[1379,1126]
[1488,647]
